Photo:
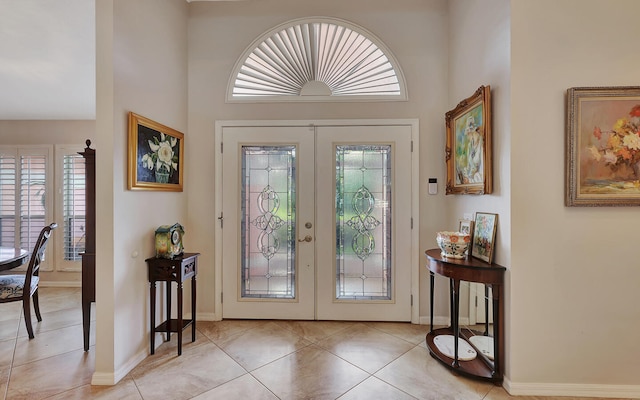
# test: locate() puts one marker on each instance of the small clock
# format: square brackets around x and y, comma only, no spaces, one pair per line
[169,241]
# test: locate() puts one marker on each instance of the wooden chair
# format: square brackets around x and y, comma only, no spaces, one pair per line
[12,287]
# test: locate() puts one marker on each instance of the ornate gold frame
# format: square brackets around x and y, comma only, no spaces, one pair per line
[597,172]
[138,176]
[468,149]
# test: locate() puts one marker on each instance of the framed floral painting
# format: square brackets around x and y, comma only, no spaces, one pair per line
[484,236]
[602,163]
[468,148]
[156,156]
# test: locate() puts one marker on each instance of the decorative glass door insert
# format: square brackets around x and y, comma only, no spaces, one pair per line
[363,219]
[268,222]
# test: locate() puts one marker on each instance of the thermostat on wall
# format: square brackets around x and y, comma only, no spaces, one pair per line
[433,186]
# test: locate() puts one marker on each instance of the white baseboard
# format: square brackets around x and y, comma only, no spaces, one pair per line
[112,378]
[572,390]
[441,321]
[208,317]
[73,284]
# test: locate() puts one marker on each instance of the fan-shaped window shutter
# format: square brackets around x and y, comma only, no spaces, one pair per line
[319,59]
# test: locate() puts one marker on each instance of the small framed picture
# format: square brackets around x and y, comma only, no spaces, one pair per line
[484,236]
[466,226]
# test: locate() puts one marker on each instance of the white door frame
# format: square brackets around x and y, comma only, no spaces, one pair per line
[415,254]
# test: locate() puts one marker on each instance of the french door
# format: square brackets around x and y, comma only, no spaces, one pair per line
[316,222]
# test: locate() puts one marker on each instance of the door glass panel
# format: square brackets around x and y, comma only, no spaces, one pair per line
[268,222]
[363,219]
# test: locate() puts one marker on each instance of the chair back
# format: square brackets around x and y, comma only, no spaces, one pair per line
[37,256]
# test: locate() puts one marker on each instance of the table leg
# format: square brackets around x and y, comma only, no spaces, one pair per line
[179,327]
[496,294]
[152,298]
[168,310]
[431,285]
[455,285]
[486,310]
[86,322]
[193,309]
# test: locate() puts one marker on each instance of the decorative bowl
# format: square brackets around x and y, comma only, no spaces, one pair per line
[453,244]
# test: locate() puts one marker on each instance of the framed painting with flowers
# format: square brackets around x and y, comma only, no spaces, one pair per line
[603,146]
[156,156]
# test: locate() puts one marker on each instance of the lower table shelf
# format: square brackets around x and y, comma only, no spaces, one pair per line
[174,325]
[480,367]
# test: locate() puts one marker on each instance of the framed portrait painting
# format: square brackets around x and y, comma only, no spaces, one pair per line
[156,156]
[602,162]
[468,148]
[484,236]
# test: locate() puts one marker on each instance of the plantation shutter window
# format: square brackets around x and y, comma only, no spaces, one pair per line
[74,206]
[7,200]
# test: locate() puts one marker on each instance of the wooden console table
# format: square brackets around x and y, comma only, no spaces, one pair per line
[469,270]
[176,270]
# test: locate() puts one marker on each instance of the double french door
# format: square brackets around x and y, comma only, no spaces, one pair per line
[317,222]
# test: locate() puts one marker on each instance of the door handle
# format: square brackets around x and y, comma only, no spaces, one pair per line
[307,239]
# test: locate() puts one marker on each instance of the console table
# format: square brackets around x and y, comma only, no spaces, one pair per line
[469,270]
[176,270]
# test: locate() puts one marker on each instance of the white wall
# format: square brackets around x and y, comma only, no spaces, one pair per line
[219,32]
[575,275]
[142,67]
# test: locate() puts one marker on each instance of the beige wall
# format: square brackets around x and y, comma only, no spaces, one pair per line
[575,276]
[142,67]
[219,32]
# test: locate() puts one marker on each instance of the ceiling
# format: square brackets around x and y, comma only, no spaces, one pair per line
[47,59]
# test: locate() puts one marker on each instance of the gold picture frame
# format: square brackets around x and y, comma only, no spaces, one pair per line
[468,148]
[602,162]
[156,156]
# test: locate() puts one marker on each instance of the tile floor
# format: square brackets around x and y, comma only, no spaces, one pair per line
[231,359]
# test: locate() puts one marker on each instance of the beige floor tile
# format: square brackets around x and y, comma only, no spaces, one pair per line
[199,369]
[245,387]
[125,390]
[10,311]
[311,373]
[7,348]
[420,375]
[53,375]
[4,379]
[52,320]
[256,347]
[50,343]
[220,330]
[55,299]
[314,331]
[412,333]
[366,347]
[375,389]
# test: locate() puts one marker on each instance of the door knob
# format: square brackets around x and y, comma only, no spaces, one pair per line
[307,239]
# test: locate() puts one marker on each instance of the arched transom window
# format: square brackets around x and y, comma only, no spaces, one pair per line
[317,59]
